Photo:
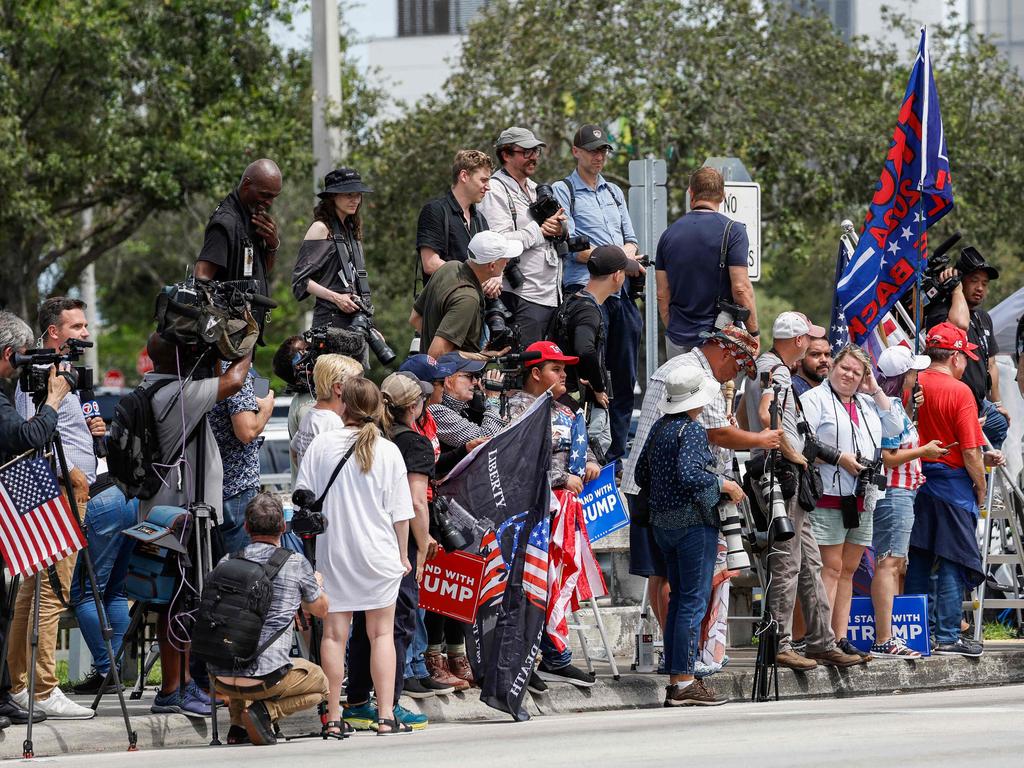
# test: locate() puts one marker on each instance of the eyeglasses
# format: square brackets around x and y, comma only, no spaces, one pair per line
[470,376]
[606,151]
[529,154]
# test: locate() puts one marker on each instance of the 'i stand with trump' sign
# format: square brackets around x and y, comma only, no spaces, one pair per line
[603,509]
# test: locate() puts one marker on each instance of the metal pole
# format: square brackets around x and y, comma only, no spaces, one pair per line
[327,139]
[88,289]
[650,289]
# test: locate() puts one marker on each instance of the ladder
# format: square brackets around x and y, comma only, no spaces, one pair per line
[605,655]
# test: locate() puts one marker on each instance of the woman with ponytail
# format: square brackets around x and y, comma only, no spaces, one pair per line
[363,553]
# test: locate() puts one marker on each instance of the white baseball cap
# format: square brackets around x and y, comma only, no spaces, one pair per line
[487,247]
[895,361]
[790,325]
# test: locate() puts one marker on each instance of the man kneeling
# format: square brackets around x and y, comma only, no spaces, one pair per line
[274,685]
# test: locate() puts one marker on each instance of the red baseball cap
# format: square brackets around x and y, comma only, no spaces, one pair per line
[948,336]
[549,353]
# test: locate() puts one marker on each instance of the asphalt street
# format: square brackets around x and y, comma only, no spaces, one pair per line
[980,726]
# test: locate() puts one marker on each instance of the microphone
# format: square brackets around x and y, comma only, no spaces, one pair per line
[91,410]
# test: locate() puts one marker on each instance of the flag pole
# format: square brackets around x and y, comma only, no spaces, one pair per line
[923,224]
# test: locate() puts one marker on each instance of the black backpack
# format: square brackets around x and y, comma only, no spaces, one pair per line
[132,443]
[233,609]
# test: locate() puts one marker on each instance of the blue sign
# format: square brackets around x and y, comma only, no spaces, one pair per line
[603,509]
[909,622]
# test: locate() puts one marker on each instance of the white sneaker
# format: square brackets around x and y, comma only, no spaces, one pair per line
[20,698]
[59,707]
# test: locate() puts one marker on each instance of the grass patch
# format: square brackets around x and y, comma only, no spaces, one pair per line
[996,630]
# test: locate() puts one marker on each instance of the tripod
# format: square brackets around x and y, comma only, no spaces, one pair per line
[106,631]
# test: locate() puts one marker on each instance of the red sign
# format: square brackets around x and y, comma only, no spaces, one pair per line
[451,585]
[113,378]
[143,365]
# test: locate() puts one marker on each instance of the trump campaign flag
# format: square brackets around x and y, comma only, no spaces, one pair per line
[37,527]
[915,191]
[500,498]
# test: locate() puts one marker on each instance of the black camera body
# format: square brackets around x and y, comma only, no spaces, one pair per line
[814,449]
[307,522]
[448,534]
[730,313]
[638,282]
[362,322]
[498,319]
[35,367]
[872,474]
[543,208]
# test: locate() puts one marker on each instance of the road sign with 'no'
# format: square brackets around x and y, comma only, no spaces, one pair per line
[743,204]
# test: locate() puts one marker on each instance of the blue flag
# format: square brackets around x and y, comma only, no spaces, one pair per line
[838,331]
[914,192]
[578,452]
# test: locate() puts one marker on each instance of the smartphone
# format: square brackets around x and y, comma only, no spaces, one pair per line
[951,445]
[260,386]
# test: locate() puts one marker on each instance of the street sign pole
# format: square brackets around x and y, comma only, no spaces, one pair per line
[648,208]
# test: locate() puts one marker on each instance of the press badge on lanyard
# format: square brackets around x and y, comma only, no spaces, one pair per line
[247,259]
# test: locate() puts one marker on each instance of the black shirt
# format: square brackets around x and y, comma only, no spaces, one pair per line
[442,228]
[18,435]
[229,234]
[981,333]
[579,330]
[416,450]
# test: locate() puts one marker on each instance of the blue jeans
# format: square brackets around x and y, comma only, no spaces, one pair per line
[232,530]
[621,354]
[996,426]
[414,664]
[690,554]
[105,517]
[551,657]
[943,582]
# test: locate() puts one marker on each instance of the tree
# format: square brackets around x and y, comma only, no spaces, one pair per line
[126,109]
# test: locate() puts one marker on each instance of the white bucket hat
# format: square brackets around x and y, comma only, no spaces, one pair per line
[688,388]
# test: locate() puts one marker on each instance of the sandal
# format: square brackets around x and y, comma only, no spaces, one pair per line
[343,732]
[395,726]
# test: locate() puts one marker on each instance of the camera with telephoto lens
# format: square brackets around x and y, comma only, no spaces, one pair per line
[730,314]
[543,208]
[307,521]
[732,529]
[362,322]
[635,278]
[872,474]
[814,449]
[35,367]
[501,330]
[448,534]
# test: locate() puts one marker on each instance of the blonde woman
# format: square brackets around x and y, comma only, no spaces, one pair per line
[329,376]
[363,553]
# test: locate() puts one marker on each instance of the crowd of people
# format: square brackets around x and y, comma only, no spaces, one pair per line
[885,453]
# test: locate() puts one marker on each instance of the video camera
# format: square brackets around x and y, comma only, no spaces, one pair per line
[543,208]
[35,367]
[932,287]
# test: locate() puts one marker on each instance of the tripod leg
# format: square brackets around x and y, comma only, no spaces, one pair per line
[26,748]
[8,609]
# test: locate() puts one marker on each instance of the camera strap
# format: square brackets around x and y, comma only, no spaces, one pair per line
[511,201]
[356,262]
[317,505]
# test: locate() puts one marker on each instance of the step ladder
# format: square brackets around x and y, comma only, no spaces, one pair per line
[606,654]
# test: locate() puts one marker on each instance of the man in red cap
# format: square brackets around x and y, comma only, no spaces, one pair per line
[572,464]
[943,539]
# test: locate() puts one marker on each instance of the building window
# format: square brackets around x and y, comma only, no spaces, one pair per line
[436,17]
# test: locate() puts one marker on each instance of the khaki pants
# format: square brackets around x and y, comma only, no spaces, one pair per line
[50,609]
[303,687]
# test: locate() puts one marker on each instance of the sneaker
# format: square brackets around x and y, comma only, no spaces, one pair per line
[962,647]
[193,689]
[800,646]
[566,674]
[57,706]
[459,666]
[166,703]
[90,684]
[893,648]
[258,724]
[836,658]
[21,697]
[850,649]
[793,660]
[413,720]
[437,667]
[16,713]
[696,694]
[439,689]
[193,703]
[362,717]
[536,685]
[414,689]
[702,670]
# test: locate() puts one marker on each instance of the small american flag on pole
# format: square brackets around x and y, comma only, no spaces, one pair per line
[37,527]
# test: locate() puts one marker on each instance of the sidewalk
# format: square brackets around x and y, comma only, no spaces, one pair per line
[1002,664]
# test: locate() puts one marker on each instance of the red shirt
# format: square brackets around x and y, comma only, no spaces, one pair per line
[949,414]
[428,428]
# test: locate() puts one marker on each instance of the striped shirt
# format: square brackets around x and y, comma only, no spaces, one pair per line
[908,475]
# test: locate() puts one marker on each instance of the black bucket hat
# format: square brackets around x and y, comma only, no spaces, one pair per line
[343,180]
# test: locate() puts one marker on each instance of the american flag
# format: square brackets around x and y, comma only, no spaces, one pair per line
[495,570]
[578,450]
[838,330]
[36,525]
[535,573]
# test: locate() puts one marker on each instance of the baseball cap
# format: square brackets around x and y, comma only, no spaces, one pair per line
[487,247]
[521,137]
[456,362]
[948,336]
[789,325]
[607,260]
[403,389]
[426,368]
[895,361]
[549,352]
[739,344]
[590,137]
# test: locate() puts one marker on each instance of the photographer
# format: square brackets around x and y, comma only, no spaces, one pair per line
[701,262]
[569,470]
[179,412]
[963,310]
[60,320]
[17,436]
[274,686]
[363,554]
[533,291]
[449,313]
[447,224]
[794,564]
[597,211]
[850,412]
[330,373]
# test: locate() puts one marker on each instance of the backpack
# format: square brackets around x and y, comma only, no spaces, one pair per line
[233,609]
[160,555]
[132,443]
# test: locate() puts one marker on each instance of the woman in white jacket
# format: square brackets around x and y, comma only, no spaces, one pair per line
[848,410]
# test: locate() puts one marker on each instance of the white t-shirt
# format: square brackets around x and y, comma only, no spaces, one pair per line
[358,554]
[315,421]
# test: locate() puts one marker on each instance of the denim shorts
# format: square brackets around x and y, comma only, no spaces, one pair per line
[894,519]
[828,528]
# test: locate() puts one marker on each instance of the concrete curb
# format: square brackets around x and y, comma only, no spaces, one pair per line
[632,691]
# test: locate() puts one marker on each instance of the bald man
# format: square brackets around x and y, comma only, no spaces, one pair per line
[241,239]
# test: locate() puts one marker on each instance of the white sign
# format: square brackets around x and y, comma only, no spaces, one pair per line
[743,204]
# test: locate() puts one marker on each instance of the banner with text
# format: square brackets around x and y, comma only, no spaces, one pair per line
[603,509]
[451,585]
[909,622]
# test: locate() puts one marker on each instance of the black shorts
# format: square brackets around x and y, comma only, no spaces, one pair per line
[645,556]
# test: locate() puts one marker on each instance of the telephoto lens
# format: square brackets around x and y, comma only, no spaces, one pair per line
[736,556]
[780,527]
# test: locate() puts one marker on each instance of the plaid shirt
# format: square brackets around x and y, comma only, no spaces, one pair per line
[454,429]
[712,417]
